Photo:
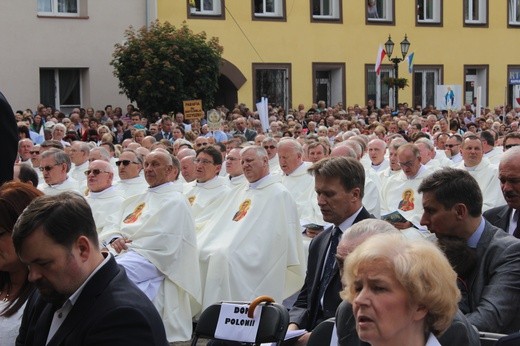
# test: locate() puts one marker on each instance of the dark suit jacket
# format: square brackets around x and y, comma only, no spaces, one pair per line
[494,288]
[305,311]
[499,216]
[460,333]
[248,133]
[159,135]
[110,310]
[8,140]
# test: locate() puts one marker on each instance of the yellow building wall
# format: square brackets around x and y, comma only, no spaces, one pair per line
[299,42]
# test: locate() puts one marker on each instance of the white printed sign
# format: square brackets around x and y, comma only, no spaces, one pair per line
[233,323]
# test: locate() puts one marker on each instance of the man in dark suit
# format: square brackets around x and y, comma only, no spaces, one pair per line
[506,216]
[339,183]
[241,129]
[8,140]
[452,203]
[166,129]
[84,297]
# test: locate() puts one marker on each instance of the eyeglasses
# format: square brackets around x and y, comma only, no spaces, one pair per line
[451,145]
[34,152]
[94,171]
[267,147]
[125,162]
[201,144]
[407,163]
[48,168]
[203,161]
[509,146]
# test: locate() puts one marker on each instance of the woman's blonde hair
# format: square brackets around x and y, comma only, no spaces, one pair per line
[419,266]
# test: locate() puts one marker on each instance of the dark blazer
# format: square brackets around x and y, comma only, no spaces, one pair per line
[499,216]
[248,133]
[494,288]
[159,135]
[460,333]
[8,140]
[305,311]
[110,310]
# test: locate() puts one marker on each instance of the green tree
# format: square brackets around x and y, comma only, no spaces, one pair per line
[160,66]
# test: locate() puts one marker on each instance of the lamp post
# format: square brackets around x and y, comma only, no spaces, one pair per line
[389,47]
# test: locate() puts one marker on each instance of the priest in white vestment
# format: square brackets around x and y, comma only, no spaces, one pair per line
[299,182]
[154,236]
[252,245]
[78,153]
[104,199]
[400,192]
[129,167]
[485,173]
[237,179]
[271,146]
[55,165]
[209,187]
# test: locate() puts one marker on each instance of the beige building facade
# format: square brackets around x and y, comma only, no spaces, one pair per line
[57,52]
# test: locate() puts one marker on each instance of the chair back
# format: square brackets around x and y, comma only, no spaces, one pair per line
[274,321]
[322,334]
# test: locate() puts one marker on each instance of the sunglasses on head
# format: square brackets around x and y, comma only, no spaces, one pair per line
[124,162]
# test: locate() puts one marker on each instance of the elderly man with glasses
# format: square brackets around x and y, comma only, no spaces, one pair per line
[400,202]
[103,198]
[55,166]
[129,167]
[153,238]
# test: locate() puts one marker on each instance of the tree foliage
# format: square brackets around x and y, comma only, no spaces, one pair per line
[160,66]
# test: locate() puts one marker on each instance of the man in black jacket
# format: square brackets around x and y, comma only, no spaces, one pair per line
[84,297]
[339,184]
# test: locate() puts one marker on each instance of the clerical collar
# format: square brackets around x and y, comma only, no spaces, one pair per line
[155,188]
[207,182]
[419,172]
[257,183]
[475,237]
[99,193]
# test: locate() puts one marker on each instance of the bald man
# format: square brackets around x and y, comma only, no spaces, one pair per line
[103,198]
[154,238]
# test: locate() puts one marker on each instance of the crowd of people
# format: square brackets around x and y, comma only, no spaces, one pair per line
[198,214]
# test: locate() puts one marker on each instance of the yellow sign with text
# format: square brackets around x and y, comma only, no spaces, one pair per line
[193,109]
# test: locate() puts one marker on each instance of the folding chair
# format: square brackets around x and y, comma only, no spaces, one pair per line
[274,321]
[490,339]
[509,340]
[322,334]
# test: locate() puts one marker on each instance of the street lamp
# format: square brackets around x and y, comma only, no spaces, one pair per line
[389,47]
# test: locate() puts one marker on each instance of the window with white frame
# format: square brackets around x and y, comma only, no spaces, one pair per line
[326,9]
[206,7]
[273,82]
[268,8]
[60,88]
[428,11]
[376,89]
[475,11]
[380,10]
[329,82]
[59,7]
[514,12]
[425,81]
